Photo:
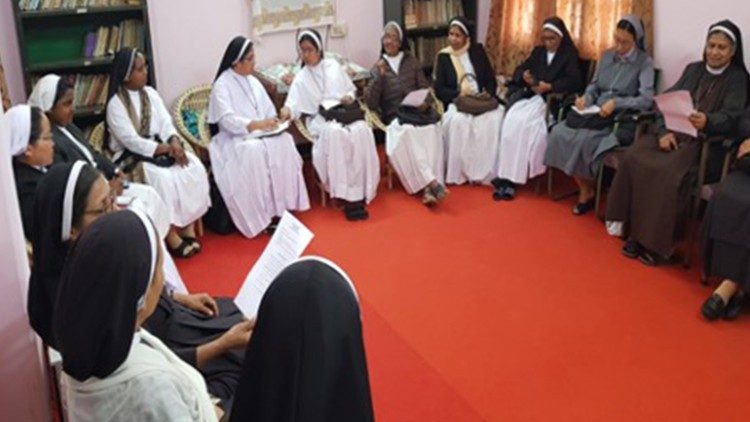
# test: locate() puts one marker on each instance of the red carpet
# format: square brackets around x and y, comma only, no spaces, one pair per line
[514,311]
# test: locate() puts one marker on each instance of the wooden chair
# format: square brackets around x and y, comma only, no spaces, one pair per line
[703,190]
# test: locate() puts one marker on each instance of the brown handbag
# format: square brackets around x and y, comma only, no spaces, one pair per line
[475,104]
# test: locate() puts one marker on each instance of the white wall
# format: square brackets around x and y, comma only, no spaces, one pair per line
[680,31]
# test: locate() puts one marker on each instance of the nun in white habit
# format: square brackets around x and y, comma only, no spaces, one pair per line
[344,156]
[139,124]
[259,177]
[54,96]
[471,142]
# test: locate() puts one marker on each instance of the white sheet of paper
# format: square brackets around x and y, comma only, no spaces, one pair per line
[592,109]
[416,98]
[287,244]
[263,133]
[676,107]
[329,104]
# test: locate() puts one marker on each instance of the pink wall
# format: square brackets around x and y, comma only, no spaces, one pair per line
[23,387]
[188,45]
[680,31]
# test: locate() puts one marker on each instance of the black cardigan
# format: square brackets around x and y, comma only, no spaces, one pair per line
[67,152]
[564,73]
[27,179]
[446,83]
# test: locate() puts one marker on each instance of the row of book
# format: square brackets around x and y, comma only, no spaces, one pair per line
[421,13]
[33,5]
[90,91]
[425,49]
[108,40]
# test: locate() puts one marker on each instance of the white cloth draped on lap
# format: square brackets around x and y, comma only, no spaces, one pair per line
[523,141]
[416,153]
[172,277]
[258,178]
[344,157]
[152,384]
[471,145]
[183,189]
[146,199]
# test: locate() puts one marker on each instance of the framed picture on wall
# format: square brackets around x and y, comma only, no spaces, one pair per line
[286,15]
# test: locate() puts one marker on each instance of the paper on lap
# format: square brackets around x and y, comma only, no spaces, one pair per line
[676,107]
[287,244]
[329,104]
[265,133]
[416,98]
[592,109]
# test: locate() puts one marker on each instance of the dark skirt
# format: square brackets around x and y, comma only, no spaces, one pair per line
[726,237]
[650,193]
[183,330]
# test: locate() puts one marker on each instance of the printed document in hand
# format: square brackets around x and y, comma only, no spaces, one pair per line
[676,107]
[287,244]
[416,98]
[592,109]
[265,133]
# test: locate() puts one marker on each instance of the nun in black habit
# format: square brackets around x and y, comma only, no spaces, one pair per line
[552,67]
[306,360]
[32,149]
[649,198]
[726,236]
[207,333]
[113,368]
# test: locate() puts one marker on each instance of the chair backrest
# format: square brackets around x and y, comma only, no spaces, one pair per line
[189,114]
[587,68]
[96,138]
[657,79]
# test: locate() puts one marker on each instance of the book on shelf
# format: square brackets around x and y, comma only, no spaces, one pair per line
[109,40]
[426,13]
[426,49]
[38,5]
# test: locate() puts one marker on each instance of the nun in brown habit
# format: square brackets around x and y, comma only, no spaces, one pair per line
[651,191]
[726,236]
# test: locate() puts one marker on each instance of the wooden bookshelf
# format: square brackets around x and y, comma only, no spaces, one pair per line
[425,24]
[54,41]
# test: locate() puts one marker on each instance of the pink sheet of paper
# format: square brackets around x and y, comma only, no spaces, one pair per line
[676,107]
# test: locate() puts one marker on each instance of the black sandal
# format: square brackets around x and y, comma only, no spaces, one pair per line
[194,243]
[181,251]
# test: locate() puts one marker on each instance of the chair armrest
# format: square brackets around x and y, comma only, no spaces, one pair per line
[372,118]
